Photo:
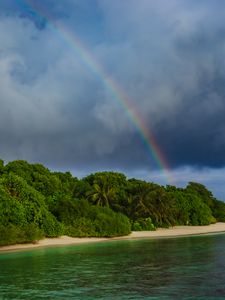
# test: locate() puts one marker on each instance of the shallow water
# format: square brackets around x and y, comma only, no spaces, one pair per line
[175,268]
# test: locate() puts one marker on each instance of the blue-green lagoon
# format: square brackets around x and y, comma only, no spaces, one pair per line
[174,268]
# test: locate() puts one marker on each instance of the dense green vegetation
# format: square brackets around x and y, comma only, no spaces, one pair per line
[37,203]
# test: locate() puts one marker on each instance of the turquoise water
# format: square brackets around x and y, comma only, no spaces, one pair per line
[181,268]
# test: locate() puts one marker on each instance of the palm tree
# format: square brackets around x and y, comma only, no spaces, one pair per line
[164,206]
[152,201]
[102,194]
[142,202]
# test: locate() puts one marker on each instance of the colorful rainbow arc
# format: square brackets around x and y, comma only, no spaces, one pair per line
[116,91]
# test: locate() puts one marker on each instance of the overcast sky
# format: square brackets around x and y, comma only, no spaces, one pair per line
[167,56]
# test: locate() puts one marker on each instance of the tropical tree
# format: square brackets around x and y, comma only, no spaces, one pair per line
[140,200]
[101,194]
[201,191]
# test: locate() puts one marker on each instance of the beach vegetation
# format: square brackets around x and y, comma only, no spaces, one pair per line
[36,203]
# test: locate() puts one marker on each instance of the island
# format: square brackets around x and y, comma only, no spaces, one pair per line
[41,207]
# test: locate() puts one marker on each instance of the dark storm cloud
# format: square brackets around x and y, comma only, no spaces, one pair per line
[167,56]
[193,134]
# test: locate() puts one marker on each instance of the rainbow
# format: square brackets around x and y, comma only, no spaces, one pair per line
[111,85]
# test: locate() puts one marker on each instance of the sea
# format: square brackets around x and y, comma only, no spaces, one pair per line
[169,268]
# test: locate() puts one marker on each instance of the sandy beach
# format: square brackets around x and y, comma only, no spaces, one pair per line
[159,233]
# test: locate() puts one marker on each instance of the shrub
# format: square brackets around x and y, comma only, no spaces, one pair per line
[143,224]
[11,234]
[80,218]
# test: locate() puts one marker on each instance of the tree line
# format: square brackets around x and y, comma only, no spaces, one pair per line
[36,202]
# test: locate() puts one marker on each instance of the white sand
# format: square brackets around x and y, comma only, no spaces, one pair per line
[159,233]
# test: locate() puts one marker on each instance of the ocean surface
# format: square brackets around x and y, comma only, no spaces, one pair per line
[174,268]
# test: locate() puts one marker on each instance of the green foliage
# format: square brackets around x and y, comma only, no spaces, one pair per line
[101,194]
[12,234]
[107,189]
[33,233]
[35,203]
[80,218]
[21,205]
[143,224]
[20,168]
[150,200]
[201,191]
[219,210]
[200,213]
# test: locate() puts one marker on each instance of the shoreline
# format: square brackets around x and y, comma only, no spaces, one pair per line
[176,231]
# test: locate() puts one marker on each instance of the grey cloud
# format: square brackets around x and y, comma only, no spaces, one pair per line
[174,73]
[168,58]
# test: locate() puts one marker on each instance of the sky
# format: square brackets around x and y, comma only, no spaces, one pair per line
[168,58]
